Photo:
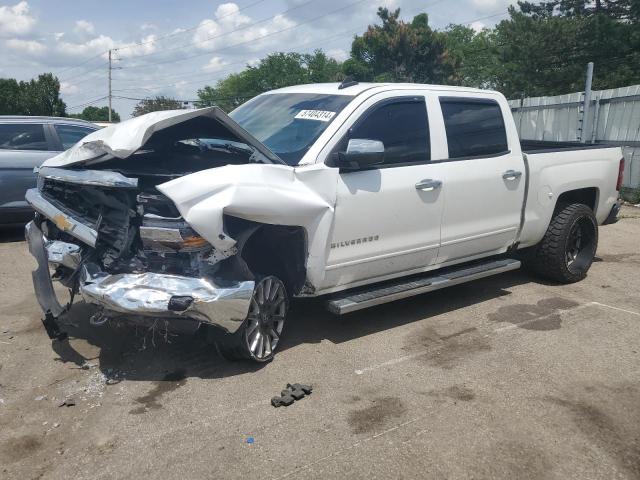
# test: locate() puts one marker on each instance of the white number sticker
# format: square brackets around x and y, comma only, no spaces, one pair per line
[319,115]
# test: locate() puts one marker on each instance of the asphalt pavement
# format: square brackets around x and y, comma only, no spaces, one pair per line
[506,377]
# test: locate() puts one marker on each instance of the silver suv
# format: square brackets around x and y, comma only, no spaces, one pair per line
[26,142]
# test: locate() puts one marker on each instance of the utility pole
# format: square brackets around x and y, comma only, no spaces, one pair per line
[584,123]
[109,85]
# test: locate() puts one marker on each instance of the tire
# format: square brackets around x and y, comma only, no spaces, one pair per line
[567,249]
[259,335]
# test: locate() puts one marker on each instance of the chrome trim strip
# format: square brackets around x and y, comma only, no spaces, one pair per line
[63,221]
[100,178]
[161,234]
[344,305]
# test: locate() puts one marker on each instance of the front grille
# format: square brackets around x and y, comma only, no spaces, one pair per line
[107,210]
[74,200]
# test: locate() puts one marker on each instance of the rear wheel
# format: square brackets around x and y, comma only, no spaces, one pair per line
[259,335]
[567,249]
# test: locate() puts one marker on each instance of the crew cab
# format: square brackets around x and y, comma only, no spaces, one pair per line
[359,193]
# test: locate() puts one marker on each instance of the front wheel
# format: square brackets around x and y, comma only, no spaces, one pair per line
[259,335]
[567,249]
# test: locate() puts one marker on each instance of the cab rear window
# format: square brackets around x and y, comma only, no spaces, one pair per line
[474,127]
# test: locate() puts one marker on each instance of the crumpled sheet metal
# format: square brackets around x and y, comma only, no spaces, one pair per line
[123,139]
[63,253]
[273,194]
[148,294]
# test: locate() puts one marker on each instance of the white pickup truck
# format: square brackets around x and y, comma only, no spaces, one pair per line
[360,193]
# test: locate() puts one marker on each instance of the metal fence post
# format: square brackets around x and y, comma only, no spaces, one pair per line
[584,121]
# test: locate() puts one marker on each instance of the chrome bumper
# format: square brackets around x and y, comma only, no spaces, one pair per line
[142,294]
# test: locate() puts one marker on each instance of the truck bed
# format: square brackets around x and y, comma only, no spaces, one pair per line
[548,146]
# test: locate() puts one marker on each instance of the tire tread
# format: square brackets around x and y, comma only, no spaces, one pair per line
[547,258]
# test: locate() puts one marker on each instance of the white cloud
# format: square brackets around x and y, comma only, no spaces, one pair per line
[216,63]
[148,26]
[478,26]
[30,47]
[91,47]
[67,88]
[338,53]
[145,46]
[16,19]
[230,27]
[486,6]
[84,27]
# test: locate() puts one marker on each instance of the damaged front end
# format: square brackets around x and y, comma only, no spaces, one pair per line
[108,234]
[129,253]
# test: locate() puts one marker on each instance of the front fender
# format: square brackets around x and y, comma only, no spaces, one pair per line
[275,194]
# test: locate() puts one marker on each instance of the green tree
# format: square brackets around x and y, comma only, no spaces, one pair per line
[397,51]
[154,104]
[544,48]
[469,57]
[41,96]
[274,71]
[97,114]
[9,97]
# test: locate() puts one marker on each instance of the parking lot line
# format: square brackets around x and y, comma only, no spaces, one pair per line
[616,308]
[404,358]
[352,446]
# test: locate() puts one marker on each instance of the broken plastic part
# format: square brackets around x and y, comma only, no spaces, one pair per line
[180,304]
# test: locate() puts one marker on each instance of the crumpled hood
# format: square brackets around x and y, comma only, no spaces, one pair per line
[125,138]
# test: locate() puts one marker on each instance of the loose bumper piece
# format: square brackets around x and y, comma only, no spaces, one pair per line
[140,294]
[613,214]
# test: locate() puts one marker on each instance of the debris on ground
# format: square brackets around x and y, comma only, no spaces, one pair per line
[291,393]
[67,402]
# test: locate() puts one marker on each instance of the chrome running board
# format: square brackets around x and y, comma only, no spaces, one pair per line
[398,289]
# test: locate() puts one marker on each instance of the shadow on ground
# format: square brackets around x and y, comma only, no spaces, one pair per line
[139,354]
[13,233]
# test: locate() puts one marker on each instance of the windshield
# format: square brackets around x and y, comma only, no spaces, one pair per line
[289,123]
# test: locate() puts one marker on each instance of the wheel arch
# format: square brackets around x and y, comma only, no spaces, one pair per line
[588,196]
[264,248]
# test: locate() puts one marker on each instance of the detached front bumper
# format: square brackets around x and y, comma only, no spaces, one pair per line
[141,294]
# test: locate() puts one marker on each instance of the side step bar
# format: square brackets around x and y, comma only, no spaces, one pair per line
[398,289]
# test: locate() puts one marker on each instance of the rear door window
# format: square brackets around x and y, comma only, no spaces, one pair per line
[401,125]
[22,136]
[475,127]
[71,134]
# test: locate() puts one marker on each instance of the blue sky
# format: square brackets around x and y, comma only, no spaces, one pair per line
[173,48]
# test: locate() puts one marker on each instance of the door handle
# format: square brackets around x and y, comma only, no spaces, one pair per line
[511,175]
[428,185]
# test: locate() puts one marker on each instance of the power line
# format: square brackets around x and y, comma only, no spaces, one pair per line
[134,44]
[81,63]
[248,41]
[208,39]
[226,68]
[86,104]
[484,18]
[190,29]
[104,64]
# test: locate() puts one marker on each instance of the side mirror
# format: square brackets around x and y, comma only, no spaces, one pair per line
[361,153]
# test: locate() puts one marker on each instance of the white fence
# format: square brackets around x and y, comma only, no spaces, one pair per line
[613,117]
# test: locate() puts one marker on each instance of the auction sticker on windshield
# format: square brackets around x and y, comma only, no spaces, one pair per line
[320,115]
